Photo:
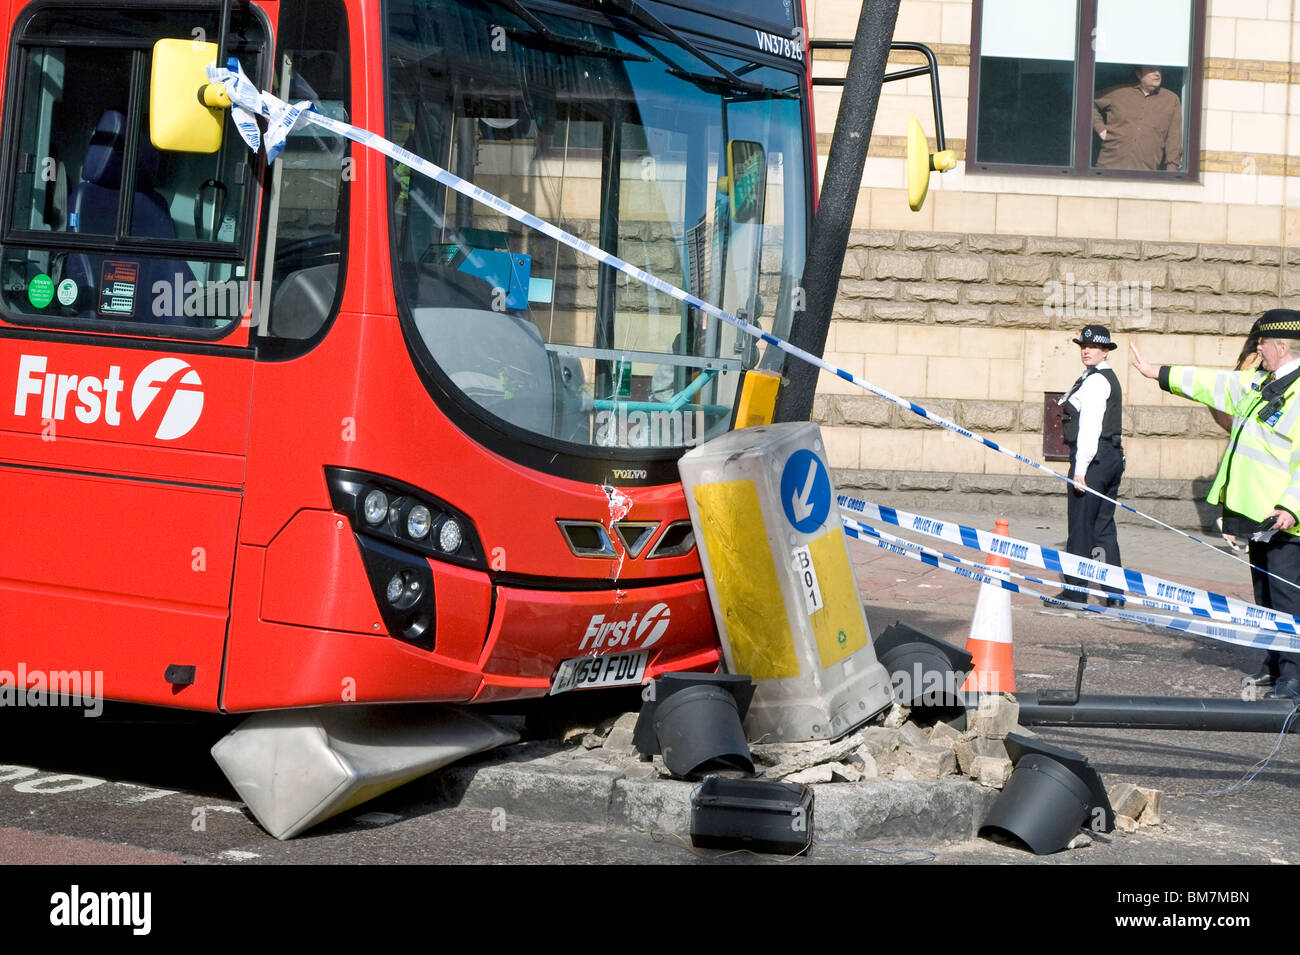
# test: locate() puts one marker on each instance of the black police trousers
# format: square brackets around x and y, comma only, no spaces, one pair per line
[1092,520]
[1280,556]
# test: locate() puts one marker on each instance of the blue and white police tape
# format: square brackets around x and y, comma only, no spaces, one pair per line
[995,574]
[1242,636]
[1202,603]
[1238,630]
[282,118]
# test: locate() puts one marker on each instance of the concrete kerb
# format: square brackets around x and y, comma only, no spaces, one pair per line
[531,788]
[557,787]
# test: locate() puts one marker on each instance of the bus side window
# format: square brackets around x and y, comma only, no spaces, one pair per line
[102,231]
[92,208]
[307,209]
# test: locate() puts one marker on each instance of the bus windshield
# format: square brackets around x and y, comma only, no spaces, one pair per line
[629,141]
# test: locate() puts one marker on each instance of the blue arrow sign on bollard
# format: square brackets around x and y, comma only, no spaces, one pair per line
[805,491]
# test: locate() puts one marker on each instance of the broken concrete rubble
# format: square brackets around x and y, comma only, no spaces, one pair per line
[930,762]
[885,760]
[593,739]
[620,734]
[1153,811]
[998,714]
[785,759]
[844,773]
[970,748]
[814,774]
[1143,806]
[583,733]
[1127,800]
[865,762]
[944,735]
[880,754]
[872,752]
[913,735]
[880,741]
[991,771]
[897,716]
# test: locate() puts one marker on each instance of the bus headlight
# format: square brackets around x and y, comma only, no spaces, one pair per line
[409,517]
[418,522]
[376,507]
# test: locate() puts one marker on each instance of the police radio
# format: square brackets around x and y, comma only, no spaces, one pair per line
[1274,393]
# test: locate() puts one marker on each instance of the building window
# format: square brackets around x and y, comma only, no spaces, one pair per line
[1086,87]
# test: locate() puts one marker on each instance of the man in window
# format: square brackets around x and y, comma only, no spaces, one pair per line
[1140,125]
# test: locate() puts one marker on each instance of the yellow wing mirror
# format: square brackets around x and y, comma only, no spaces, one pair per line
[920,163]
[178,122]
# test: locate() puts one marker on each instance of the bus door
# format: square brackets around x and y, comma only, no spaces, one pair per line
[125,366]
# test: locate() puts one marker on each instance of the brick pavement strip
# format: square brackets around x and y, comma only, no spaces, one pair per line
[22,847]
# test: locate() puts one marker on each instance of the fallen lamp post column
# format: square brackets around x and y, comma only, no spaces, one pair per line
[1158,712]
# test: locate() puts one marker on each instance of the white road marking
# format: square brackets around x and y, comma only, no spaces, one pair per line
[60,783]
[147,792]
[237,855]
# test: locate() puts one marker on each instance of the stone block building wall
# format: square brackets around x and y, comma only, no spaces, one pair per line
[959,307]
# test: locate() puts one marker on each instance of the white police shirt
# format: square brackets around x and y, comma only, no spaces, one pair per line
[1089,400]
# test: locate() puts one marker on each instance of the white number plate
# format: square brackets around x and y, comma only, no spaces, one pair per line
[610,669]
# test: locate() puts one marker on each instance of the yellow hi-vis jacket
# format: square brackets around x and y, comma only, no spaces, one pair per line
[1261,470]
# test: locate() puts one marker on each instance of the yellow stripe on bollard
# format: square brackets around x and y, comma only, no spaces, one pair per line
[838,624]
[749,594]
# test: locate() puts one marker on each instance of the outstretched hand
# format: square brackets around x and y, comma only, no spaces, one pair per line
[1145,368]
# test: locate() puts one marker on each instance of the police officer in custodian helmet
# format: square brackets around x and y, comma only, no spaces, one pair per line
[1091,414]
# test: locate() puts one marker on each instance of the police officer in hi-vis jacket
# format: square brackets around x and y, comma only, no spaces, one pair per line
[1091,416]
[1258,483]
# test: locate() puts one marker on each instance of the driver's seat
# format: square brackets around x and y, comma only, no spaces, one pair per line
[92,210]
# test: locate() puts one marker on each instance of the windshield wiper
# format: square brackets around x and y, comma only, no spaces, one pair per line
[556,42]
[723,87]
[726,82]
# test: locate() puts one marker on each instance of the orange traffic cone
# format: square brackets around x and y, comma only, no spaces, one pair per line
[989,642]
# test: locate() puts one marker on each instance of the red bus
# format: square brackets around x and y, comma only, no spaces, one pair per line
[320,430]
